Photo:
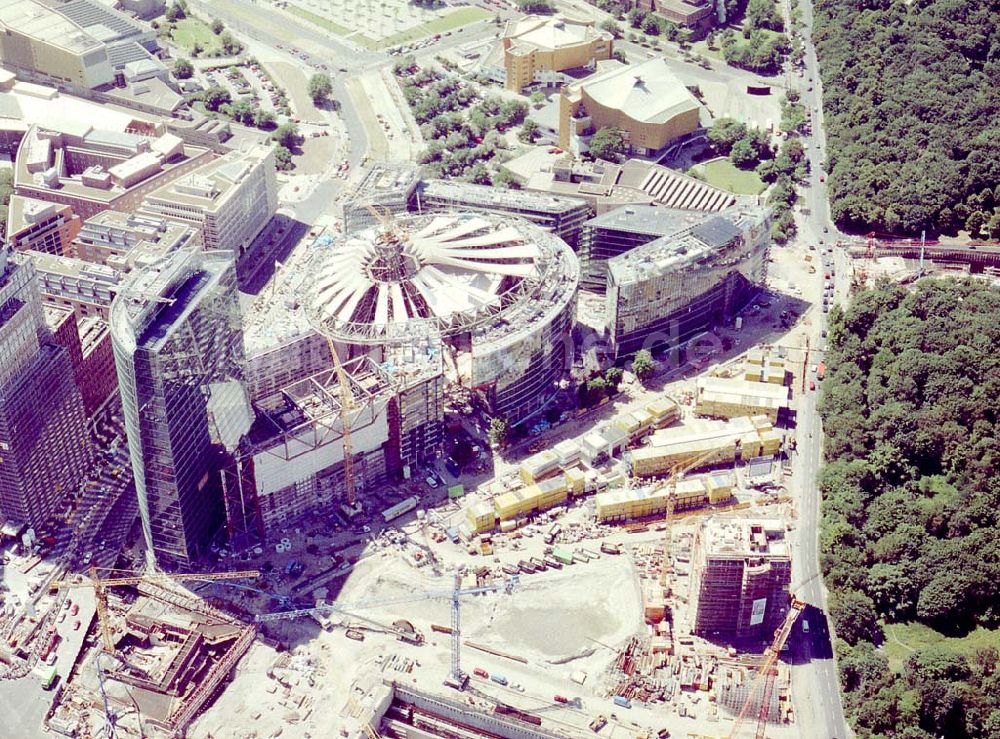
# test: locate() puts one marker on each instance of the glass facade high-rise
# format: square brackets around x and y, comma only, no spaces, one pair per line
[664,293]
[44,441]
[176,331]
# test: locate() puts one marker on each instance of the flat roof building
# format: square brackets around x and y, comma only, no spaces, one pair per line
[69,161]
[385,188]
[87,289]
[122,240]
[664,293]
[537,47]
[35,225]
[646,101]
[229,200]
[560,215]
[39,41]
[725,397]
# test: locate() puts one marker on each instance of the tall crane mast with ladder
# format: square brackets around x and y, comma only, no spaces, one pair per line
[455,677]
[100,586]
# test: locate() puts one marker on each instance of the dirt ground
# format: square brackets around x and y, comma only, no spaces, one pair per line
[292,79]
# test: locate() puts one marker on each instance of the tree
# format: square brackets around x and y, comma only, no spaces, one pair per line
[175,13]
[537,97]
[743,154]
[651,25]
[264,119]
[529,132]
[762,14]
[183,69]
[320,88]
[854,616]
[504,178]
[217,26]
[230,45]
[498,432]
[287,135]
[215,97]
[608,144]
[541,7]
[612,27]
[613,377]
[724,134]
[282,158]
[643,365]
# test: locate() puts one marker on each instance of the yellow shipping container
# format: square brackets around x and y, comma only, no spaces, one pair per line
[576,480]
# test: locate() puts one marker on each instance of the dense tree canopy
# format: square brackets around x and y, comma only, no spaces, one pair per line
[910,526]
[910,102]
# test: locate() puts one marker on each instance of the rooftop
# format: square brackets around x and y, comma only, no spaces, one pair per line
[648,92]
[88,14]
[553,32]
[744,538]
[207,186]
[494,197]
[46,24]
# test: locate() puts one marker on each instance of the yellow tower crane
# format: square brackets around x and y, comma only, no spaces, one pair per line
[763,682]
[131,577]
[346,407]
[671,482]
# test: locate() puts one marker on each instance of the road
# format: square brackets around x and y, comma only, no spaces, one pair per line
[815,683]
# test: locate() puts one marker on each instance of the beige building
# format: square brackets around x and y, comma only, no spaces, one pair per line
[647,102]
[37,40]
[229,200]
[713,442]
[536,48]
[726,397]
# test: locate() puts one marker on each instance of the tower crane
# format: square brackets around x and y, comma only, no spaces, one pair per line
[671,483]
[346,407]
[132,577]
[764,680]
[455,677]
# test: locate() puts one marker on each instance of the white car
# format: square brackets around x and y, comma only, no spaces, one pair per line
[431,481]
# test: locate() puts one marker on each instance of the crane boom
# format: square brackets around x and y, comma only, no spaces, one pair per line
[100,586]
[506,585]
[763,681]
[346,406]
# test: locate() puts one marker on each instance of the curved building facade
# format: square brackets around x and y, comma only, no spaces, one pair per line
[664,293]
[495,293]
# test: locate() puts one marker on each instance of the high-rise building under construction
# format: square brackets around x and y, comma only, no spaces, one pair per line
[178,352]
[44,442]
[740,579]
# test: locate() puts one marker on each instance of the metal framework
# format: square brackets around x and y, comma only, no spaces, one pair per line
[101,584]
[764,680]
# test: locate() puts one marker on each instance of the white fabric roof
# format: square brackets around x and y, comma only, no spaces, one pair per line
[647,92]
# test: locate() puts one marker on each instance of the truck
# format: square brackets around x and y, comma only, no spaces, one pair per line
[552,533]
[598,723]
[620,700]
[580,556]
[820,371]
[560,699]
[537,563]
[511,570]
[480,672]
[527,568]
[498,678]
[553,563]
[609,548]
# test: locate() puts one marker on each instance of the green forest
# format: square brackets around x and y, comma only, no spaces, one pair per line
[910,529]
[910,98]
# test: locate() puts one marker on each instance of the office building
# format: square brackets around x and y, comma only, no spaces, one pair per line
[45,446]
[35,225]
[229,201]
[119,239]
[618,232]
[386,189]
[664,293]
[85,288]
[69,161]
[688,13]
[88,342]
[740,578]
[728,397]
[175,329]
[563,216]
[645,101]
[536,48]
